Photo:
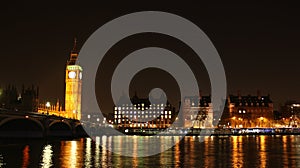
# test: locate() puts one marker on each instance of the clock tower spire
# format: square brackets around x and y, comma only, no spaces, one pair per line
[73,54]
[73,85]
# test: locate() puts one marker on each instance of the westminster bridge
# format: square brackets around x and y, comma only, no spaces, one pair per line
[17,124]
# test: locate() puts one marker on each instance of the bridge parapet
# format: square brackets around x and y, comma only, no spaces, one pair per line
[29,124]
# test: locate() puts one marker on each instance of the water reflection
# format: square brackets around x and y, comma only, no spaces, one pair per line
[47,157]
[234,151]
[262,151]
[25,157]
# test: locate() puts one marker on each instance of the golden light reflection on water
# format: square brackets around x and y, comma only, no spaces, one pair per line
[262,151]
[284,145]
[72,149]
[88,155]
[135,152]
[177,151]
[104,151]
[97,152]
[26,157]
[234,151]
[237,151]
[206,150]
[47,157]
[192,151]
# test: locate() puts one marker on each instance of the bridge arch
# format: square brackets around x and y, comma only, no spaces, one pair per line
[21,127]
[22,122]
[60,125]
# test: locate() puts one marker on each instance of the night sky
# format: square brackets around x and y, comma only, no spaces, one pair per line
[258,44]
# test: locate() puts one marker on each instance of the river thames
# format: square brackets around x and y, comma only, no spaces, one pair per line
[209,151]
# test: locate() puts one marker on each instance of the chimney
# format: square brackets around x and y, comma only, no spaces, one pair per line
[258,94]
[239,94]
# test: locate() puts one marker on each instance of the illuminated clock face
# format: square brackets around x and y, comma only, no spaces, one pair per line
[80,75]
[72,74]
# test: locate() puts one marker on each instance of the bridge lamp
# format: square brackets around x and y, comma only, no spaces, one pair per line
[48,104]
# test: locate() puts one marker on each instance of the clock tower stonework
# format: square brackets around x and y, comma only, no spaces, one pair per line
[73,86]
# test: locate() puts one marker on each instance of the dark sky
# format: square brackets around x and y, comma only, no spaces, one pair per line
[258,43]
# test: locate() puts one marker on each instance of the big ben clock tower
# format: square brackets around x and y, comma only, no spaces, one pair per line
[73,86]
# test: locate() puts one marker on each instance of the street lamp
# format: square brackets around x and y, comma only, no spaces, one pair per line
[261,119]
[98,121]
[48,106]
[233,118]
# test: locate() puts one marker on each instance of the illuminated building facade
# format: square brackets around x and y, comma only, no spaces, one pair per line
[142,114]
[197,112]
[73,86]
[290,113]
[250,111]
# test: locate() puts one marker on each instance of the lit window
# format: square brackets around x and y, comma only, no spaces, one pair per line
[169,116]
[116,112]
[116,116]
[170,112]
